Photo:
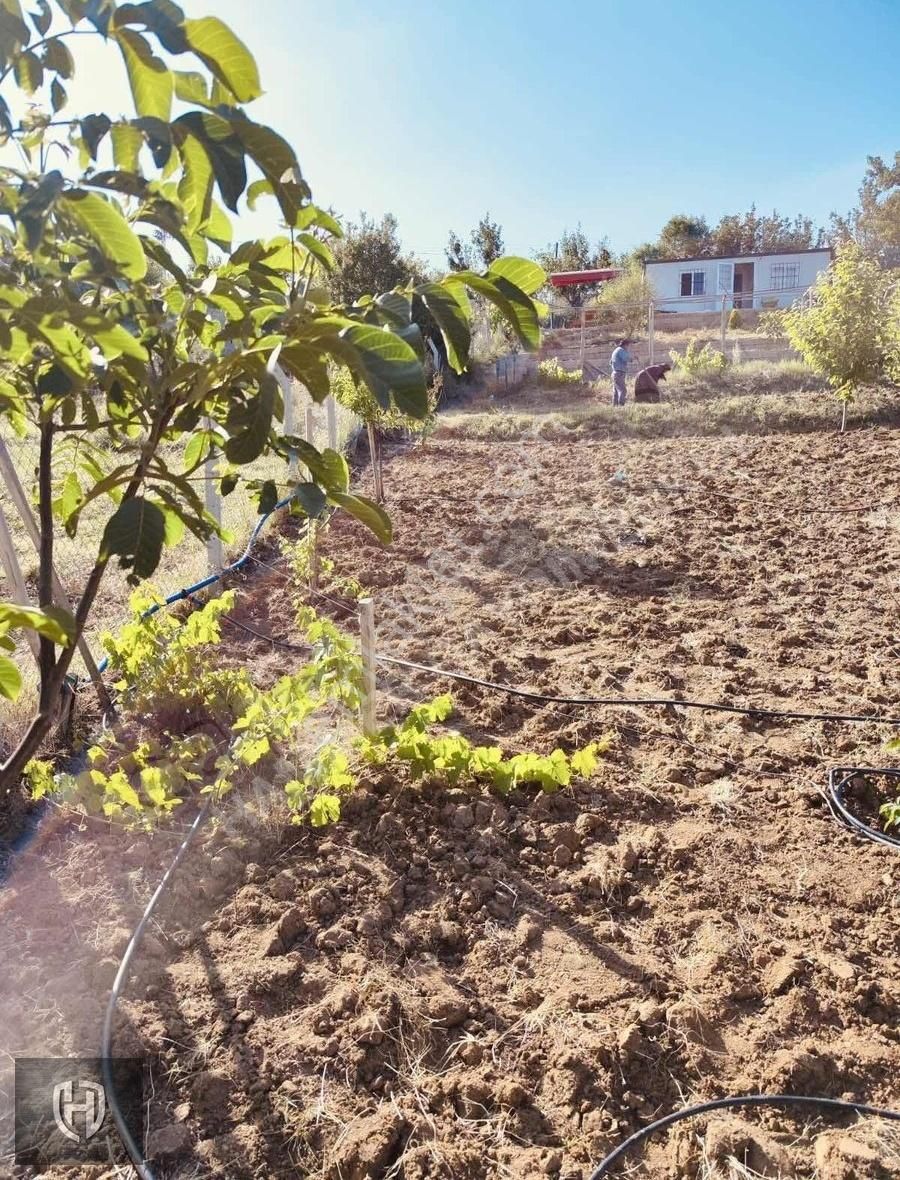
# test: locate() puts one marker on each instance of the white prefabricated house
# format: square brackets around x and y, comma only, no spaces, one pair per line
[752,281]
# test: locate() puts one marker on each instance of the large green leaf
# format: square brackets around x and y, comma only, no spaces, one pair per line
[195,186]
[53,623]
[161,17]
[366,511]
[329,468]
[256,422]
[29,72]
[149,77]
[135,534]
[127,142]
[227,58]
[386,363]
[450,316]
[13,30]
[276,160]
[104,222]
[224,149]
[516,307]
[114,340]
[521,272]
[57,57]
[10,677]
[311,499]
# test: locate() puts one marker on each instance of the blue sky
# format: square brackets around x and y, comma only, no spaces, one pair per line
[614,113]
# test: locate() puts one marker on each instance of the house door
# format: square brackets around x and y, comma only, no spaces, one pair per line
[743,284]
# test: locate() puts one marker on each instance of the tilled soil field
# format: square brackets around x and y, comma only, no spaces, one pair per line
[449,985]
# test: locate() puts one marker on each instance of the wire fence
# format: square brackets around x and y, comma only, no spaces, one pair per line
[180,566]
[584,337]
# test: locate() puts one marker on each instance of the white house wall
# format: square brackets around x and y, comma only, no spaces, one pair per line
[665,279]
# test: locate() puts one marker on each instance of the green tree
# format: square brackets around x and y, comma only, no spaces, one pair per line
[485,246]
[755,233]
[369,257]
[625,301]
[683,236]
[875,223]
[109,361]
[845,333]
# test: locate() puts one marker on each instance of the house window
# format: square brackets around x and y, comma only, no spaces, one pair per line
[693,282]
[785,275]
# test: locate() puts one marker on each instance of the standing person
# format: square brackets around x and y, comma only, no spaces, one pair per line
[619,364]
[646,384]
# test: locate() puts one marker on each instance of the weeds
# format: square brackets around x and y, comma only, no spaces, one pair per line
[697,361]
[552,374]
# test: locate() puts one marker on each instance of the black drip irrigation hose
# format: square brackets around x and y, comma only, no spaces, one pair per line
[838,781]
[604,1168]
[638,702]
[135,1153]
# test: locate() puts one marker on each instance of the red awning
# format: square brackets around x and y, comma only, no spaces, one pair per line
[567,278]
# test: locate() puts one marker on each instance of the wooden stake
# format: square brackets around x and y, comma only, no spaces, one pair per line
[367,650]
[18,590]
[375,456]
[20,501]
[331,422]
[310,425]
[581,351]
[313,538]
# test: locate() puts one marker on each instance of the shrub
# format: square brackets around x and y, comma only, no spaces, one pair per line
[735,320]
[845,334]
[625,301]
[552,373]
[699,362]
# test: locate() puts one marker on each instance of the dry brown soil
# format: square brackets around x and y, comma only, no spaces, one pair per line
[445,985]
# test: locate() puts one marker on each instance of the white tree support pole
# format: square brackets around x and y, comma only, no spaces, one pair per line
[287,393]
[13,572]
[310,425]
[724,322]
[367,650]
[581,350]
[651,331]
[331,422]
[20,500]
[215,553]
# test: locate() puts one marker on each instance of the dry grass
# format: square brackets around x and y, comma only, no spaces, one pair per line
[790,401]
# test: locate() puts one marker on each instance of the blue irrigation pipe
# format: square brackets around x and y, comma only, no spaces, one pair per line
[211,579]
